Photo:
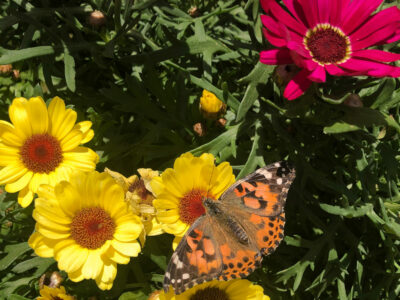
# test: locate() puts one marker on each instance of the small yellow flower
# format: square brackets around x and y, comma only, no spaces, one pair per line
[210,106]
[42,146]
[139,195]
[87,227]
[179,191]
[48,293]
[237,289]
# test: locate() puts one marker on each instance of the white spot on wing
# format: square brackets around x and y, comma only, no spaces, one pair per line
[185,276]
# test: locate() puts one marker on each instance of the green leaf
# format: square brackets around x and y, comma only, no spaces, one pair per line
[12,56]
[137,295]
[348,212]
[69,70]
[13,252]
[259,75]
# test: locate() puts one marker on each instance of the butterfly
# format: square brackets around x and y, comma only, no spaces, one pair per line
[228,241]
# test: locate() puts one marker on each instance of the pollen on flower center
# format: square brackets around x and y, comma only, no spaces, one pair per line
[92,227]
[210,293]
[191,205]
[41,153]
[327,44]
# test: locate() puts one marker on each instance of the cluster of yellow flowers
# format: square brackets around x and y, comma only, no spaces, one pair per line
[90,221]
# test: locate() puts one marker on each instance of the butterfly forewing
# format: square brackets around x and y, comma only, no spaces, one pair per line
[262,192]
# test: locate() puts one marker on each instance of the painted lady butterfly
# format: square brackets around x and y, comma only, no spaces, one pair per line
[228,241]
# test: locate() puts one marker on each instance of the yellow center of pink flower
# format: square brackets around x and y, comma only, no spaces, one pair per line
[41,153]
[327,44]
[92,227]
[191,205]
[210,293]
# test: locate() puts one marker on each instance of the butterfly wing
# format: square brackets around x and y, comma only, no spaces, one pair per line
[262,192]
[208,251]
[257,204]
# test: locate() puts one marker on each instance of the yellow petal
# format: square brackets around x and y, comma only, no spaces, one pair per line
[128,231]
[47,210]
[20,183]
[19,116]
[37,180]
[88,136]
[116,256]
[12,173]
[62,120]
[93,265]
[25,197]
[50,222]
[8,155]
[46,191]
[52,233]
[175,186]
[68,198]
[72,257]
[176,242]
[84,127]
[81,158]
[165,203]
[168,216]
[178,228]
[12,139]
[42,246]
[107,276]
[128,249]
[38,115]
[71,140]
[76,276]
[224,179]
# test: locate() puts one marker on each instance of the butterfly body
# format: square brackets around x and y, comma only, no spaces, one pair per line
[228,241]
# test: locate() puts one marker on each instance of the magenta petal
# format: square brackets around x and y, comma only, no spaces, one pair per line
[337,8]
[270,24]
[370,68]
[297,86]
[318,75]
[386,18]
[335,70]
[357,12]
[277,41]
[273,8]
[376,38]
[296,10]
[377,55]
[311,11]
[324,10]
[276,57]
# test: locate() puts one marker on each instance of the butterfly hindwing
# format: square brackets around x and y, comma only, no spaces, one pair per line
[208,251]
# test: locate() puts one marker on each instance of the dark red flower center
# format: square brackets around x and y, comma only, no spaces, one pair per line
[327,44]
[92,227]
[41,153]
[191,205]
[210,293]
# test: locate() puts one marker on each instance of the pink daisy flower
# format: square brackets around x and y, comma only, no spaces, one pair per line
[330,36]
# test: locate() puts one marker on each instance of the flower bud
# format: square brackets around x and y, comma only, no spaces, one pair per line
[210,106]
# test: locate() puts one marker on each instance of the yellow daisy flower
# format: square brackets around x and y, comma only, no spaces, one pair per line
[237,289]
[210,106]
[49,293]
[87,227]
[41,146]
[139,195]
[179,191]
